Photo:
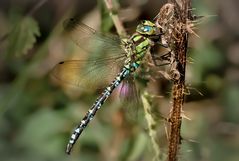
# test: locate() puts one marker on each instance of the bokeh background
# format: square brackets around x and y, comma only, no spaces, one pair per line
[37,114]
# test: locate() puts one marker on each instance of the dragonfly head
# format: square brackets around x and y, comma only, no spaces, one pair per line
[148,28]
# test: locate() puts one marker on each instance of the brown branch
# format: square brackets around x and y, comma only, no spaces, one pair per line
[173,17]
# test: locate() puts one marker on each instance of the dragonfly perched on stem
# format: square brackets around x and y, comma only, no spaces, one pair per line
[126,53]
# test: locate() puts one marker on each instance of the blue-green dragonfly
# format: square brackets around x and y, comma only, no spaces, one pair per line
[128,53]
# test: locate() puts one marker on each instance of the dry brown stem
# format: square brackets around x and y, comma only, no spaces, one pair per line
[173,17]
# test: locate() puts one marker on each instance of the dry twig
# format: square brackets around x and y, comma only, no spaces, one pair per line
[173,17]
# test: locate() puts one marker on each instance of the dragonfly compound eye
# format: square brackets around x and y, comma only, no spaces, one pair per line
[146,28]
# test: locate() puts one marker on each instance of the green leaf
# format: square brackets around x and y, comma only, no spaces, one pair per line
[106,21]
[43,133]
[22,37]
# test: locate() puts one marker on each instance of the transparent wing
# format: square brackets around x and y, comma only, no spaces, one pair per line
[87,73]
[105,57]
[97,44]
[128,91]
[129,96]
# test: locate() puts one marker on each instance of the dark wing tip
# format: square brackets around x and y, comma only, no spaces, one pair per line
[62,62]
[70,24]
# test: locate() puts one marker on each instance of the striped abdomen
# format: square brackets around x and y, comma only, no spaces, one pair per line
[96,106]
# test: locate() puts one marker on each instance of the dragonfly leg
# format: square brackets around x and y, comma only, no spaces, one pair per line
[163,45]
[165,57]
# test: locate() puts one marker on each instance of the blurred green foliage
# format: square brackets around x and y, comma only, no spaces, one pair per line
[22,37]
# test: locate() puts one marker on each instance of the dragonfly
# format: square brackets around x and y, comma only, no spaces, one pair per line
[128,53]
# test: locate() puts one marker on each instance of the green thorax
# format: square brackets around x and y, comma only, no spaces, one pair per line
[136,47]
[140,42]
[139,46]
